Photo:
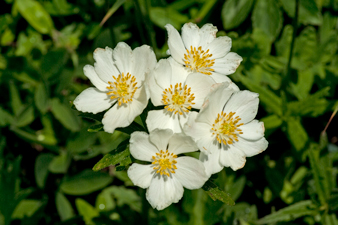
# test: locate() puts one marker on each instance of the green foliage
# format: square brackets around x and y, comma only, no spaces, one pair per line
[47,148]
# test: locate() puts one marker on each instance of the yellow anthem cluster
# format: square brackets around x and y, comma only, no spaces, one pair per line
[178,99]
[164,163]
[199,60]
[123,88]
[226,128]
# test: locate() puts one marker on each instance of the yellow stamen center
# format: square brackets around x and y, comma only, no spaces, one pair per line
[178,99]
[123,88]
[226,128]
[164,163]
[199,60]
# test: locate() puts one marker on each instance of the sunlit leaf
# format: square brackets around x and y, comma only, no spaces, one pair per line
[26,208]
[216,194]
[86,210]
[35,15]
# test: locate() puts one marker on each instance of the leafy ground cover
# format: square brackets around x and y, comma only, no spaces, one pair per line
[49,151]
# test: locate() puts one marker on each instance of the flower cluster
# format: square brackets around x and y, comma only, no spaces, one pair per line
[197,108]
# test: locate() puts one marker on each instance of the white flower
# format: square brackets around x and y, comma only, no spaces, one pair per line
[167,174]
[118,76]
[225,130]
[198,50]
[179,91]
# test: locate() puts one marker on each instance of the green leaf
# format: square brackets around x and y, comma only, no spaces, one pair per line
[80,141]
[85,182]
[7,37]
[26,208]
[289,213]
[60,163]
[162,16]
[65,115]
[16,103]
[53,62]
[35,15]
[95,128]
[63,207]
[308,11]
[41,98]
[271,122]
[216,194]
[6,118]
[296,133]
[125,196]
[234,12]
[113,158]
[41,168]
[86,210]
[105,201]
[237,187]
[25,116]
[284,43]
[272,102]
[268,17]
[321,182]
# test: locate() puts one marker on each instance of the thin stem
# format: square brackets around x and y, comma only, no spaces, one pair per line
[294,34]
[328,123]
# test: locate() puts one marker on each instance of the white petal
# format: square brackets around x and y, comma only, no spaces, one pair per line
[190,35]
[122,116]
[190,172]
[253,130]
[214,103]
[181,143]
[251,148]
[178,72]
[211,162]
[90,72]
[228,64]
[155,90]
[162,74]
[207,35]
[200,86]
[164,191]
[104,64]
[140,175]
[140,146]
[160,138]
[92,100]
[122,57]
[162,119]
[175,44]
[232,157]
[219,47]
[143,60]
[245,104]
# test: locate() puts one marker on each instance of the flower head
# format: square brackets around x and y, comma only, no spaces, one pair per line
[179,91]
[198,50]
[118,76]
[225,129]
[168,172]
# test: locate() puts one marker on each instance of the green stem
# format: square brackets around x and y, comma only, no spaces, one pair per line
[294,34]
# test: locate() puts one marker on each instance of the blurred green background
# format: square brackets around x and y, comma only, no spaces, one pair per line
[47,154]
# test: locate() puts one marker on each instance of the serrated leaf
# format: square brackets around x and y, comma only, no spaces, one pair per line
[216,194]
[267,16]
[65,115]
[234,12]
[289,213]
[35,15]
[85,182]
[113,158]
